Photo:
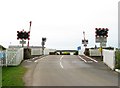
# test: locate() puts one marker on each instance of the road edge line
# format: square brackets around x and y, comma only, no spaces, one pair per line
[61,57]
[61,62]
[82,59]
[91,59]
[39,59]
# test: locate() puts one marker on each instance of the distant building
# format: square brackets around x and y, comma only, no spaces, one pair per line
[17,46]
[35,50]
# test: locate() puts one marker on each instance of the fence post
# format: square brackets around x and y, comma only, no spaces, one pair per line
[6,58]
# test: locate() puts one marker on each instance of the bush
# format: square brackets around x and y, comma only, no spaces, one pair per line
[117,57]
[51,53]
[66,53]
[76,53]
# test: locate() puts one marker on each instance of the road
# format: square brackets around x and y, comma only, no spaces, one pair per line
[71,70]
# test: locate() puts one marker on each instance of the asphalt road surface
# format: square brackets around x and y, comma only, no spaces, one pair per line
[71,70]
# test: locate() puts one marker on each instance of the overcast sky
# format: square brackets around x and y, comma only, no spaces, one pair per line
[62,22]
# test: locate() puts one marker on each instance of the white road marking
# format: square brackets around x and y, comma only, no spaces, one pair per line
[61,65]
[61,57]
[60,61]
[36,61]
[91,59]
[39,59]
[28,61]
[34,58]
[82,59]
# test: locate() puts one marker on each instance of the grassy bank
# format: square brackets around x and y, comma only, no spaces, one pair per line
[117,57]
[13,76]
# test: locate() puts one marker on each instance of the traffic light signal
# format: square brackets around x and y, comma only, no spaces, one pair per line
[17,35]
[20,34]
[87,41]
[44,39]
[101,32]
[23,35]
[26,35]
[84,41]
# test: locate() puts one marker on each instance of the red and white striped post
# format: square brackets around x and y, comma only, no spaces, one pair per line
[29,32]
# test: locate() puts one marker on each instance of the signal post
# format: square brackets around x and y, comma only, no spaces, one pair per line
[43,43]
[23,35]
[101,37]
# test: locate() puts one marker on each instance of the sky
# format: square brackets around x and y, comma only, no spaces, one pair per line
[62,22]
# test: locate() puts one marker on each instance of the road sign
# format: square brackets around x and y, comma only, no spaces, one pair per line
[102,32]
[22,42]
[101,39]
[44,39]
[85,45]
[79,48]
[23,35]
[85,42]
[103,44]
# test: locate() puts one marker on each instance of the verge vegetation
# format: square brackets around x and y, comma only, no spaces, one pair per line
[117,57]
[13,76]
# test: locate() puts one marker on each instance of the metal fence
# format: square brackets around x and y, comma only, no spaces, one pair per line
[2,57]
[11,56]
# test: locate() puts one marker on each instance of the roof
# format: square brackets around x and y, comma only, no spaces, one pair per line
[17,46]
[65,50]
[2,48]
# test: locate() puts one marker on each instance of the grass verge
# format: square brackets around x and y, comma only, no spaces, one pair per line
[13,76]
[117,57]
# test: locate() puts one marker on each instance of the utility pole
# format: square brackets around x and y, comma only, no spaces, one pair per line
[43,43]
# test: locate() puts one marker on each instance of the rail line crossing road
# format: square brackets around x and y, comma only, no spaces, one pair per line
[71,70]
[87,59]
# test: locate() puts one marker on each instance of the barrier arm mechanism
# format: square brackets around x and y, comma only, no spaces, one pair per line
[29,31]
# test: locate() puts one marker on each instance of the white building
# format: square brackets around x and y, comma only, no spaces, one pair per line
[36,50]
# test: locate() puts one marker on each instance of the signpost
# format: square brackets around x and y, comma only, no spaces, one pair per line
[79,48]
[43,43]
[23,35]
[84,41]
[22,42]
[29,32]
[101,37]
